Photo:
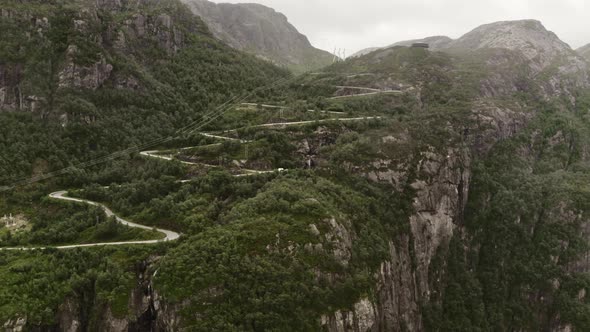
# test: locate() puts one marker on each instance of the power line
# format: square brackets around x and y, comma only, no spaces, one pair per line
[195,125]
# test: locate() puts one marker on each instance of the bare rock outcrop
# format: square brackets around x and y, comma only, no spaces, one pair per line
[86,77]
[261,30]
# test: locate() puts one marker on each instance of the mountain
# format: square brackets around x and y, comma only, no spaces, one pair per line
[435,42]
[402,190]
[584,51]
[262,31]
[109,74]
[487,113]
[528,37]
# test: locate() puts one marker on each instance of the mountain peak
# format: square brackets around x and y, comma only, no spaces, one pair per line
[529,37]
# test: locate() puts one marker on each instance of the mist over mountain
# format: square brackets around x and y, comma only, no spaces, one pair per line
[262,31]
[162,170]
[584,51]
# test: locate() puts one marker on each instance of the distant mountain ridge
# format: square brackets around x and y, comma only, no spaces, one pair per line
[262,31]
[584,51]
[529,37]
[526,45]
[435,42]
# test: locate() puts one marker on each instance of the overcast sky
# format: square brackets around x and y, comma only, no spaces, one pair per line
[357,24]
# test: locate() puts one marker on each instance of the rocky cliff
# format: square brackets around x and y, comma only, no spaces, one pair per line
[528,37]
[76,49]
[584,51]
[416,288]
[263,31]
[463,208]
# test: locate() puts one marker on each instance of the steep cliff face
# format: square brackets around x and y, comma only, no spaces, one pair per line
[416,282]
[68,48]
[545,52]
[548,56]
[584,51]
[262,31]
[461,211]
[529,37]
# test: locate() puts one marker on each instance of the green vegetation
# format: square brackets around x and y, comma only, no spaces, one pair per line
[524,217]
[279,234]
[277,251]
[71,223]
[88,278]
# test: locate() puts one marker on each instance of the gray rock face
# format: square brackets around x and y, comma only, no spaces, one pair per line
[541,48]
[86,77]
[262,31]
[75,68]
[529,37]
[15,325]
[584,51]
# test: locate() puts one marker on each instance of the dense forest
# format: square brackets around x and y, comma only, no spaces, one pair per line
[451,198]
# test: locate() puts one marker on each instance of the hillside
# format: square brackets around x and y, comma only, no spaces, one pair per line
[262,31]
[478,133]
[584,51]
[109,75]
[528,37]
[403,190]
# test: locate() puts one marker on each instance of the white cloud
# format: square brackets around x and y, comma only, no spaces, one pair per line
[357,24]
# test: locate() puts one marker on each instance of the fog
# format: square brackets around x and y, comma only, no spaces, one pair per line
[354,25]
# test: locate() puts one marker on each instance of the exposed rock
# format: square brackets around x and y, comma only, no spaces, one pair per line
[398,299]
[85,77]
[263,31]
[435,43]
[584,51]
[360,319]
[528,37]
[11,97]
[15,325]
[340,240]
[68,316]
[110,323]
[541,49]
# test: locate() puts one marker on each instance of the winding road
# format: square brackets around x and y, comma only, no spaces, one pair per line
[61,195]
[169,235]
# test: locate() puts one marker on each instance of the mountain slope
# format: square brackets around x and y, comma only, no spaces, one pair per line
[262,31]
[478,148]
[527,36]
[548,56]
[435,42]
[584,51]
[456,198]
[136,70]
